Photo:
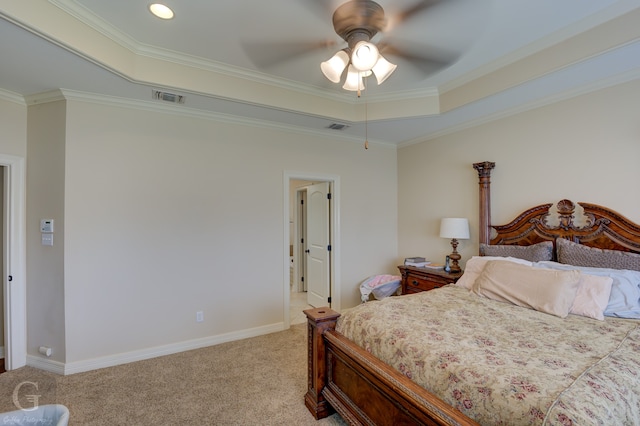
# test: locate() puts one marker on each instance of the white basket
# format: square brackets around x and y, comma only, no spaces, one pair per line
[44,415]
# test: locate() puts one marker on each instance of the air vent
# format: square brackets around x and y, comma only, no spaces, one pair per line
[337,126]
[168,97]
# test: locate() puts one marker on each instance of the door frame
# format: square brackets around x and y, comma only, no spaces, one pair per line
[334,235]
[15,312]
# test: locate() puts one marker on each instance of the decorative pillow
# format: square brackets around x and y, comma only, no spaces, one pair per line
[475,265]
[592,297]
[580,255]
[545,290]
[624,299]
[533,253]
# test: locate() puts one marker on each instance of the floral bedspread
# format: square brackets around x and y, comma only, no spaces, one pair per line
[501,364]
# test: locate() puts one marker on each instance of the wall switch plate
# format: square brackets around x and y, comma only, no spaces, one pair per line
[47,239]
[199,316]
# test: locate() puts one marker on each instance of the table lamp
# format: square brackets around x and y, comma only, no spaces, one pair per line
[454,228]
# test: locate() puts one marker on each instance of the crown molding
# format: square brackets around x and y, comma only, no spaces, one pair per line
[9,96]
[180,110]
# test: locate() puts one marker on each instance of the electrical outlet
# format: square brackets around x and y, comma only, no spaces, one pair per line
[199,316]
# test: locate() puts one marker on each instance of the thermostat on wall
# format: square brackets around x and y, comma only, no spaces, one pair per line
[46,225]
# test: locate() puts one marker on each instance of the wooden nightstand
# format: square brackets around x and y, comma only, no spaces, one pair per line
[415,280]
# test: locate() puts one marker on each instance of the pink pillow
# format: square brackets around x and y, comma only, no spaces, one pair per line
[592,296]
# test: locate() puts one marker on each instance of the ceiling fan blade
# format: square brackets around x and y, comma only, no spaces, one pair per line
[405,15]
[427,58]
[266,54]
[322,8]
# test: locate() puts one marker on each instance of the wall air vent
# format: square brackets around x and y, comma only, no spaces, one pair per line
[337,126]
[168,97]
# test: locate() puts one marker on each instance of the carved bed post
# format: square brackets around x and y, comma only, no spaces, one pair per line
[319,320]
[484,175]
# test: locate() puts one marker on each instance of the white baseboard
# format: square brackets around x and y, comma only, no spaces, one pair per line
[57,367]
[46,364]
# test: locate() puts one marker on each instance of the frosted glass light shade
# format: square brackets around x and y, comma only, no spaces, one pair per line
[383,69]
[354,80]
[364,56]
[454,227]
[333,68]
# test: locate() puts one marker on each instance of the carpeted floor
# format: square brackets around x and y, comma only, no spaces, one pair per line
[257,381]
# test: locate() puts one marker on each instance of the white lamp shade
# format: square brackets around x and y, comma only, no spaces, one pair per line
[364,56]
[454,227]
[354,80]
[333,68]
[383,69]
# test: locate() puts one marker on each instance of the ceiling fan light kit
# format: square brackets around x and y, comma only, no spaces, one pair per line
[357,21]
[333,68]
[353,82]
[364,56]
[383,69]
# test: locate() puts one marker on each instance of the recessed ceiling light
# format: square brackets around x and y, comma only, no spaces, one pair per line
[161,11]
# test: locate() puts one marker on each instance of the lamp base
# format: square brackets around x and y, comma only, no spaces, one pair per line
[455,257]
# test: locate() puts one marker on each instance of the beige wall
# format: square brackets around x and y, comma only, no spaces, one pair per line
[158,215]
[166,215]
[45,200]
[584,149]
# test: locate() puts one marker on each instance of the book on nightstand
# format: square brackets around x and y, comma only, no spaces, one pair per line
[416,261]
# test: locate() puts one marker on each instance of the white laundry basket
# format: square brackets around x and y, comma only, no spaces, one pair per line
[380,285]
[44,415]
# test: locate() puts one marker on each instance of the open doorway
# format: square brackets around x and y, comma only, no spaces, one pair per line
[312,243]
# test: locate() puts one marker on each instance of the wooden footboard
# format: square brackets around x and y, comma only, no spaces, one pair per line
[362,389]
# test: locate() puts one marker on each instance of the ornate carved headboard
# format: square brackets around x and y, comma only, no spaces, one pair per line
[595,226]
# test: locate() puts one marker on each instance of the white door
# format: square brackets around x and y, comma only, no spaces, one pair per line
[318,246]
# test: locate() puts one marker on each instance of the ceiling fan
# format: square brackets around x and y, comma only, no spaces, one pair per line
[357,22]
[368,33]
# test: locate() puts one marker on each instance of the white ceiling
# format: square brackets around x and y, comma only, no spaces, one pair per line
[259,60]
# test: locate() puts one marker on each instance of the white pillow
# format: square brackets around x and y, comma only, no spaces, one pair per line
[476,264]
[592,297]
[546,290]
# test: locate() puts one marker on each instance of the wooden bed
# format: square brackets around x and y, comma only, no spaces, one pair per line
[344,378]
